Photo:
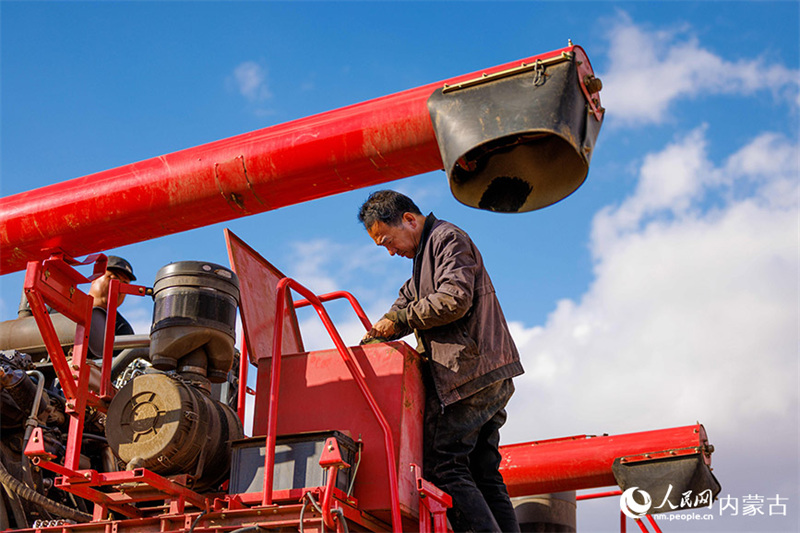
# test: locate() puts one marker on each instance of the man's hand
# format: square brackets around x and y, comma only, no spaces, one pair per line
[382,329]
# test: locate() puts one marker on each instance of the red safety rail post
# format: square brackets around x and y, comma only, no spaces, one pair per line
[115,287]
[272,418]
[331,459]
[244,362]
[653,523]
[433,502]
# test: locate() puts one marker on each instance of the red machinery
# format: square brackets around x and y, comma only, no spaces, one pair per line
[179,462]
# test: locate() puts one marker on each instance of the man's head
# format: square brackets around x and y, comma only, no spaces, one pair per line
[393,221]
[120,266]
[117,268]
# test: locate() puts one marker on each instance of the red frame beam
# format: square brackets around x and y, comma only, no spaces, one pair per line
[582,462]
[348,148]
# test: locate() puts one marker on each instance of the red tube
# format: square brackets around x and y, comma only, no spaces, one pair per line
[583,462]
[349,148]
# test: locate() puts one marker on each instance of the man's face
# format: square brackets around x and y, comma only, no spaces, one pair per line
[99,288]
[401,240]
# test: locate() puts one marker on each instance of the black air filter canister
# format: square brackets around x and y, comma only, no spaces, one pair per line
[161,423]
[195,316]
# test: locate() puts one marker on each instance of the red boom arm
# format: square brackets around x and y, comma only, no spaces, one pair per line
[349,148]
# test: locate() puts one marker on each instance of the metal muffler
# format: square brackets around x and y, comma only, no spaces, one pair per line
[194,319]
[522,139]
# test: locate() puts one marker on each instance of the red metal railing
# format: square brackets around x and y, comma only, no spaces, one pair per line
[54,282]
[284,285]
[622,518]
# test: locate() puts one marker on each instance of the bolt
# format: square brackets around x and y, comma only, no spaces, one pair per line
[592,84]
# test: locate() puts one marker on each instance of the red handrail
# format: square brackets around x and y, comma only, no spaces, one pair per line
[272,416]
[241,400]
[337,295]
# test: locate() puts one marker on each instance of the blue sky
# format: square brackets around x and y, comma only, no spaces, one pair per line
[663,292]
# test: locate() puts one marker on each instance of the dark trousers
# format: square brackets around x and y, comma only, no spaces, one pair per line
[461,457]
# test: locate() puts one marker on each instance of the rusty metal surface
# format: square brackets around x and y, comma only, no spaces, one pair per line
[258,280]
[520,139]
[318,394]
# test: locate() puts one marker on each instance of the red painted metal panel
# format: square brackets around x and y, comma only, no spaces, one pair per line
[258,288]
[349,148]
[318,394]
[583,462]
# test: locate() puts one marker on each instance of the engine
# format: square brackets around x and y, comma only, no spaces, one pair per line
[171,412]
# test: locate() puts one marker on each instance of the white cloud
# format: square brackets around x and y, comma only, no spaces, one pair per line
[363,269]
[650,69]
[693,315]
[250,80]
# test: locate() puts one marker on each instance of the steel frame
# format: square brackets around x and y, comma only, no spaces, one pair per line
[578,462]
[54,282]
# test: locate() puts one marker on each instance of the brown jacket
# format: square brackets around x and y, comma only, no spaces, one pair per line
[451,305]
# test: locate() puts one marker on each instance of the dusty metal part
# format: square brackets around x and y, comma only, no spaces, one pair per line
[166,425]
[517,140]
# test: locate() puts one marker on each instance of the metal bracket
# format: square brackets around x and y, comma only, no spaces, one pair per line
[524,67]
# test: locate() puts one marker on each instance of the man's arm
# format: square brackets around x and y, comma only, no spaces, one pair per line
[388,327]
[454,280]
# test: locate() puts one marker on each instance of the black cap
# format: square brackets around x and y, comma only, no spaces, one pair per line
[118,263]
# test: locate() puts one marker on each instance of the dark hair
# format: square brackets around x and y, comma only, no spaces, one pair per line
[386,206]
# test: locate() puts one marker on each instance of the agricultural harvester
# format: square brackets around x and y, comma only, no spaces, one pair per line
[145,432]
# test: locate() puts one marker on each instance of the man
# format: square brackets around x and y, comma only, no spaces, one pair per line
[119,269]
[468,353]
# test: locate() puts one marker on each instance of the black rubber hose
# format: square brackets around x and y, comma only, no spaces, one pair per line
[24,491]
[125,358]
[16,507]
[4,523]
